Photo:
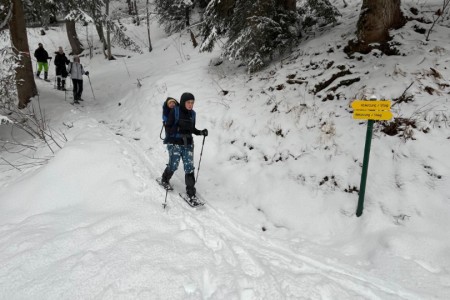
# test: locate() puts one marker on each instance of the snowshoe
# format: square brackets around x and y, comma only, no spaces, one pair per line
[165,185]
[193,201]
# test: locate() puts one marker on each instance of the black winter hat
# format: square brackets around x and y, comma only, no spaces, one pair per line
[185,97]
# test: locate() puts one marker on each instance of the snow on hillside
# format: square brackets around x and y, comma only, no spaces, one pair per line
[280,171]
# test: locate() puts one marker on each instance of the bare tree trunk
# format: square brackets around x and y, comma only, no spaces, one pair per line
[376,19]
[287,4]
[26,87]
[101,35]
[138,22]
[75,43]
[108,30]
[203,3]
[187,14]
[150,48]
[98,19]
[130,7]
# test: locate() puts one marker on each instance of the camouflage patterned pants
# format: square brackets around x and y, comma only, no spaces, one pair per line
[177,152]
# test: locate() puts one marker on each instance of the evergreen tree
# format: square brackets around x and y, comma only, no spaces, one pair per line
[256,30]
[41,12]
[174,15]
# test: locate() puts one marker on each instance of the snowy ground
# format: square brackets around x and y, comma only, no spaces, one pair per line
[277,172]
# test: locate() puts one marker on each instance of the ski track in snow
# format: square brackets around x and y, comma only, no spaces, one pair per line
[266,270]
[110,254]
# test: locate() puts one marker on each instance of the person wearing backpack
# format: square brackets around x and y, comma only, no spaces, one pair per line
[180,126]
[61,73]
[76,72]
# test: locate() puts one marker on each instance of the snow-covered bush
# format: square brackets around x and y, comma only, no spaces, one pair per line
[317,13]
[8,92]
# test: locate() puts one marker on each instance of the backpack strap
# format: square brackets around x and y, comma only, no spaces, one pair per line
[177,115]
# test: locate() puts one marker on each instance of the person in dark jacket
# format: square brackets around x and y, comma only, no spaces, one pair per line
[61,72]
[42,58]
[180,143]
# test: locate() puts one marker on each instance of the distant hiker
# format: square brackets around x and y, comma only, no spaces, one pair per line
[180,126]
[61,72]
[42,59]
[76,72]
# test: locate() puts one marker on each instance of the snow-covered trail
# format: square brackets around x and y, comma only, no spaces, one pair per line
[122,244]
[102,232]
[111,238]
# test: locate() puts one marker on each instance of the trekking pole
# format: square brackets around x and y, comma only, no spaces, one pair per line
[91,86]
[201,153]
[165,200]
[49,65]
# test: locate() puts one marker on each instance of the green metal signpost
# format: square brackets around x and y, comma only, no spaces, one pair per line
[362,186]
[369,110]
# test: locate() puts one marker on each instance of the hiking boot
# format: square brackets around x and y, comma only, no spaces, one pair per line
[166,185]
[194,200]
[190,184]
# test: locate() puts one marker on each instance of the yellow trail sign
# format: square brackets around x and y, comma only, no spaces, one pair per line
[372,115]
[371,105]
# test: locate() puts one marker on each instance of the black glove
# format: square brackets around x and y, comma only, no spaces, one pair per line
[86,73]
[204,132]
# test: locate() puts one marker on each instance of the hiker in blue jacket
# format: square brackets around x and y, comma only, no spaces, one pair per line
[179,127]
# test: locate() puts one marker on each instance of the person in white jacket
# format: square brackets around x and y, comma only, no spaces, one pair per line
[76,72]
